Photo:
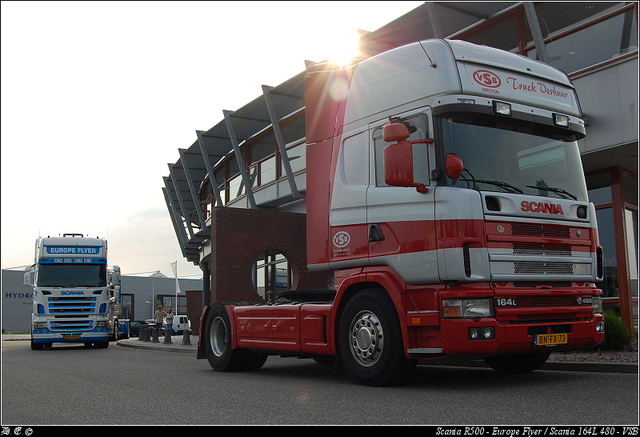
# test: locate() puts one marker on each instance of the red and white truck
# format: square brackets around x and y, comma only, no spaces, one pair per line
[445,191]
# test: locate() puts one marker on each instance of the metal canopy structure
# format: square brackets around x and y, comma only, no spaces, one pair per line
[272,120]
[276,119]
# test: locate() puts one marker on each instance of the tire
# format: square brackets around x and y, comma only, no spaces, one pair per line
[370,340]
[217,344]
[36,346]
[252,360]
[523,363]
[116,331]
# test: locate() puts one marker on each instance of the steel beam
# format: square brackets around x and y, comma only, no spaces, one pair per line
[239,158]
[192,189]
[207,163]
[185,212]
[266,91]
[179,230]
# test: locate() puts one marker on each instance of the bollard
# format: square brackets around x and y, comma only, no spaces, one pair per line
[154,335]
[167,336]
[141,335]
[186,338]
[147,335]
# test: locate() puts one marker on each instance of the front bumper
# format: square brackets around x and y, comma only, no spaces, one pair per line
[516,338]
[45,336]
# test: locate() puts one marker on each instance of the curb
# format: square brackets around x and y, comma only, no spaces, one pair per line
[178,348]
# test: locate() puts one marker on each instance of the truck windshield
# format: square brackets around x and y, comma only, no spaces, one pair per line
[72,275]
[510,158]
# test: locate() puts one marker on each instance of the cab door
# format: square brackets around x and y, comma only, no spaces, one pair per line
[400,220]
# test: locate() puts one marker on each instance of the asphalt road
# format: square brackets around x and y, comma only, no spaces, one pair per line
[126,386]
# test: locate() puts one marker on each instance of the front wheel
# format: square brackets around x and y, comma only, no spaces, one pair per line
[370,340]
[36,346]
[522,363]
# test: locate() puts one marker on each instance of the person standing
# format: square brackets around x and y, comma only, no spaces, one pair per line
[159,317]
[170,321]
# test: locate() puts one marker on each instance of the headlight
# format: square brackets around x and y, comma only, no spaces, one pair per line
[597,304]
[102,324]
[467,308]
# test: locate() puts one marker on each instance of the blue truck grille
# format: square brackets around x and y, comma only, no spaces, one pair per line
[72,305]
[71,325]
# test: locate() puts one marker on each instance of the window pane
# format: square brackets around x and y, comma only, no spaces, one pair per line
[598,43]
[355,159]
[600,195]
[297,157]
[631,219]
[503,35]
[609,285]
[268,170]
[630,188]
[234,187]
[510,158]
[556,17]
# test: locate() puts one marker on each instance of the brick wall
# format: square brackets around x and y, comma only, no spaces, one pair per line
[240,236]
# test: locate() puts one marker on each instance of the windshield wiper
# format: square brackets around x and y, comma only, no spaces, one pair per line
[500,184]
[555,190]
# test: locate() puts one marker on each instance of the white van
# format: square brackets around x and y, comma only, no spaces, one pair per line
[180,324]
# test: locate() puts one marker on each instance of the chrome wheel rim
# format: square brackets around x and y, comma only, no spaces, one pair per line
[218,336]
[366,338]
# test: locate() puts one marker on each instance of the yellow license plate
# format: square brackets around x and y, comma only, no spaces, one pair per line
[550,339]
[72,337]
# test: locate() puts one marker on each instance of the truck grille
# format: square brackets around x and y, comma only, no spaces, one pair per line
[70,325]
[541,249]
[546,301]
[535,230]
[546,317]
[72,305]
[539,252]
[542,268]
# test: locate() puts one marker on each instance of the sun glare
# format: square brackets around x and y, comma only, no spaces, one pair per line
[345,48]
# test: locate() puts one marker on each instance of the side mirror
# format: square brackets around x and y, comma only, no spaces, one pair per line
[28,278]
[398,164]
[395,132]
[398,158]
[454,165]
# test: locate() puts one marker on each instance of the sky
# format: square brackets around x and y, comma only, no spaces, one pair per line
[97,97]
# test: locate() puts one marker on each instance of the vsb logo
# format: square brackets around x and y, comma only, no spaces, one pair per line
[341,239]
[487,78]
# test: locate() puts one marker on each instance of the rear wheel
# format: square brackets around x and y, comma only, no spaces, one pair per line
[522,363]
[370,340]
[217,343]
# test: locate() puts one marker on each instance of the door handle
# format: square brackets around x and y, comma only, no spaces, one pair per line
[375,233]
